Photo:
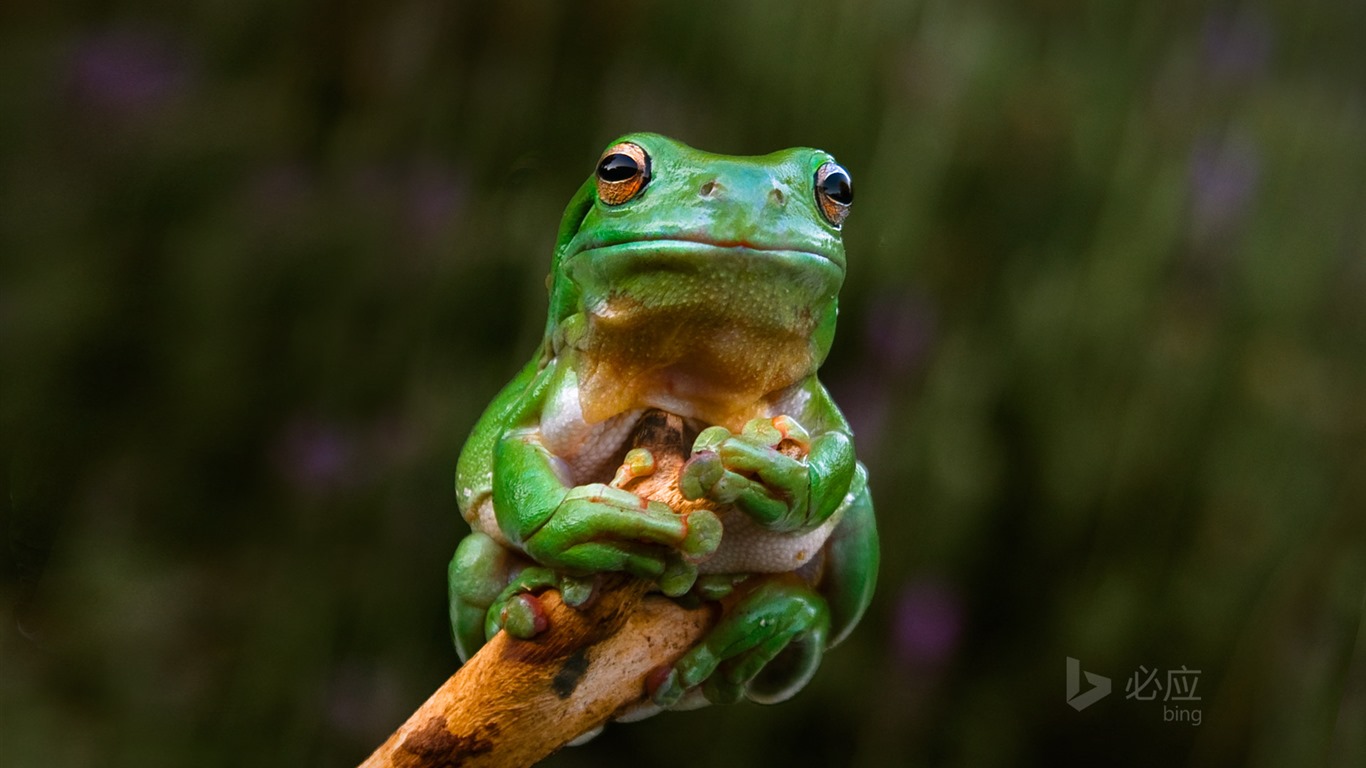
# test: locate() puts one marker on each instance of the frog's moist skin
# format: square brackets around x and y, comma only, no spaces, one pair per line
[705,286]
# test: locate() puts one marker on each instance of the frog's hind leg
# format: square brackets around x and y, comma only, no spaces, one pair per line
[851,561]
[479,572]
[765,648]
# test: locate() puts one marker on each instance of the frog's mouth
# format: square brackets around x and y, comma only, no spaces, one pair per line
[664,245]
[708,269]
[771,291]
[700,320]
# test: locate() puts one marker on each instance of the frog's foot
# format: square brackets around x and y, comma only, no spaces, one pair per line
[765,649]
[600,528]
[517,610]
[762,470]
[714,587]
[479,571]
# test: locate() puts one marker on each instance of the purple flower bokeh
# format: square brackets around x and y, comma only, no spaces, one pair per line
[433,198]
[900,332]
[1223,180]
[1235,45]
[425,196]
[127,70]
[316,457]
[927,625]
[360,698]
[866,403]
[286,185]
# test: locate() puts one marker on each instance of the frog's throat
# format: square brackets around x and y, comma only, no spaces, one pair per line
[669,323]
[715,368]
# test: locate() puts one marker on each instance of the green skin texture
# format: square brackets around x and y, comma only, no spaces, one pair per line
[558,536]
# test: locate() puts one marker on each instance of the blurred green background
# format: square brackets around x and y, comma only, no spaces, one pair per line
[1103,345]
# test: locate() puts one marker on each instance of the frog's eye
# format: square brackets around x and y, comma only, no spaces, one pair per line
[623,171]
[834,192]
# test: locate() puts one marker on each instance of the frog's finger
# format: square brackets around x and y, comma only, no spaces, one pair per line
[771,433]
[705,476]
[719,690]
[533,579]
[805,646]
[750,495]
[523,616]
[792,430]
[777,470]
[731,680]
[700,474]
[715,586]
[598,511]
[762,432]
[638,463]
[526,583]
[678,577]
[743,676]
[606,495]
[744,667]
[709,438]
[602,556]
[689,671]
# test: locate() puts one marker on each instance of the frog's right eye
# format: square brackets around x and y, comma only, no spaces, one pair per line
[623,171]
[834,193]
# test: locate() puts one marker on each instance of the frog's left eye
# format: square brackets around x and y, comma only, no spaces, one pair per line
[834,192]
[623,171]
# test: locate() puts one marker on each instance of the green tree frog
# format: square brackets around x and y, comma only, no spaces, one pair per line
[705,286]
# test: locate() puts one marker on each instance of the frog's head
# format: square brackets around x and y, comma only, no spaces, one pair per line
[711,278]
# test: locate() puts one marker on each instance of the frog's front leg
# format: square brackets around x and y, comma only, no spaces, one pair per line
[578,531]
[773,471]
[766,648]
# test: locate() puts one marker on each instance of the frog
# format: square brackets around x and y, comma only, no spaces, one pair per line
[705,286]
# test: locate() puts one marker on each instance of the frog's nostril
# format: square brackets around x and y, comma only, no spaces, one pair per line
[709,189]
[776,197]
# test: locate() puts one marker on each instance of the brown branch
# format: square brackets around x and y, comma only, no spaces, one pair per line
[517,701]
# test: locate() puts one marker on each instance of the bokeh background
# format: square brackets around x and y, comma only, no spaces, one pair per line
[1103,342]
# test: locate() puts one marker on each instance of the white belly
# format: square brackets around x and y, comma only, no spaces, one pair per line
[747,547]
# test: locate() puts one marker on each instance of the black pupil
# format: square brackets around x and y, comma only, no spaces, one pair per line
[838,187]
[617,167]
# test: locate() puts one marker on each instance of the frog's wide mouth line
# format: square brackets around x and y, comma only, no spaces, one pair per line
[676,245]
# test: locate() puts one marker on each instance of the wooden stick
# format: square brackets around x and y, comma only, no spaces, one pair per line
[517,701]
